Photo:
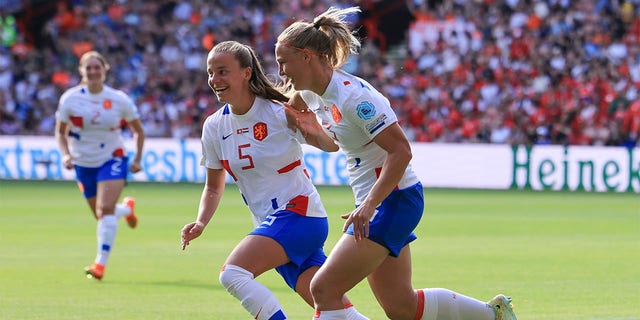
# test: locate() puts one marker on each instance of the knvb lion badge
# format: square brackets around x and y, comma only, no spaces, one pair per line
[260,131]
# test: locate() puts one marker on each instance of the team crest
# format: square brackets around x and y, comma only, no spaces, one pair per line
[260,131]
[107,104]
[335,113]
[366,110]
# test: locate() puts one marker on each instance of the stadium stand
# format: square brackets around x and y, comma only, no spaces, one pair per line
[478,71]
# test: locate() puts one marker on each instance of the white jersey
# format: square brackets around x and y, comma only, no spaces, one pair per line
[95,120]
[353,112]
[264,157]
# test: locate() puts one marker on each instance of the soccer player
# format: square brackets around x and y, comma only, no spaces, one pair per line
[388,195]
[250,139]
[88,131]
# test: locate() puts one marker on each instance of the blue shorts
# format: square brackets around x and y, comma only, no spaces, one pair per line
[88,178]
[302,239]
[396,218]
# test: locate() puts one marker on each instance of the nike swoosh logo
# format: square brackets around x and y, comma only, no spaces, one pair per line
[227,136]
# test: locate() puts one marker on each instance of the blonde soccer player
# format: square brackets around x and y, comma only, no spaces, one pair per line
[88,131]
[388,195]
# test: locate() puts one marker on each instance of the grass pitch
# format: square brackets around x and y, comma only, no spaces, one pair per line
[559,255]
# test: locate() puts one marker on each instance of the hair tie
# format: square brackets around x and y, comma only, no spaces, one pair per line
[316,25]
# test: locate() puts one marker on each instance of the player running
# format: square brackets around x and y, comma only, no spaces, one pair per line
[88,131]
[249,139]
[388,195]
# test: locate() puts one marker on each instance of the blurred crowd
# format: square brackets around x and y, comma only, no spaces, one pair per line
[480,71]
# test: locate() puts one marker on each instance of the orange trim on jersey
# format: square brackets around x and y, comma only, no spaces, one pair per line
[378,171]
[107,104]
[76,121]
[420,310]
[118,153]
[225,165]
[299,205]
[290,166]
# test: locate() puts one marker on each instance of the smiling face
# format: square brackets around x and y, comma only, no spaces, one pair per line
[227,79]
[292,65]
[93,73]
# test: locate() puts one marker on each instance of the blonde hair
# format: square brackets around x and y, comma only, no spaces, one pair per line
[259,84]
[94,54]
[328,36]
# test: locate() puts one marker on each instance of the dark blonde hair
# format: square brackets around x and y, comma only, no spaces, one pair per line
[94,54]
[328,36]
[259,84]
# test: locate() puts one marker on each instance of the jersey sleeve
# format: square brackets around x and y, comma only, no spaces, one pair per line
[62,114]
[210,145]
[310,98]
[372,113]
[130,110]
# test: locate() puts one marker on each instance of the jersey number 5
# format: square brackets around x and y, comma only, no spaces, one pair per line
[245,156]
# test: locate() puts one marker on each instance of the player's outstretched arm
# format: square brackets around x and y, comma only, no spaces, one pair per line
[138,134]
[61,134]
[211,195]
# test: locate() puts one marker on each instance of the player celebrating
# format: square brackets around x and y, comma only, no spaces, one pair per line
[389,196]
[249,139]
[88,132]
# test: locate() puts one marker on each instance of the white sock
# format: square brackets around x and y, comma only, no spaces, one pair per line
[353,314]
[122,210]
[331,314]
[106,234]
[444,304]
[255,297]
